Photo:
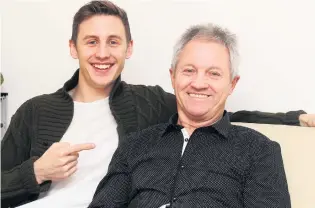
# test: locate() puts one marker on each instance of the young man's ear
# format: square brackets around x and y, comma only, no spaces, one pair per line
[234,82]
[73,49]
[129,49]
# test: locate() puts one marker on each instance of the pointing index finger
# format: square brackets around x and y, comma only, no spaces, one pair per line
[80,147]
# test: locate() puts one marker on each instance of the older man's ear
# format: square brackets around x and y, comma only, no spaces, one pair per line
[234,82]
[307,120]
[172,75]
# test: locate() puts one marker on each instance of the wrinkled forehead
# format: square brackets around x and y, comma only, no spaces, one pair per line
[204,54]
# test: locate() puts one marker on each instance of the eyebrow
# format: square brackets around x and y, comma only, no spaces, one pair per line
[90,36]
[115,36]
[214,67]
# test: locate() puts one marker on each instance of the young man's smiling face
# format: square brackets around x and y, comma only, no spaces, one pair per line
[101,48]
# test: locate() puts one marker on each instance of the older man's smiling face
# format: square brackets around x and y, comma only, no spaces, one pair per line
[202,79]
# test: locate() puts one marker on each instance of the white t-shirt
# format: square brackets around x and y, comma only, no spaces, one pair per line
[93,123]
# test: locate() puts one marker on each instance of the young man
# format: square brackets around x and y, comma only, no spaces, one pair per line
[198,159]
[88,116]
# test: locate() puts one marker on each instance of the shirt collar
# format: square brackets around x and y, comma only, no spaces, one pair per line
[222,126]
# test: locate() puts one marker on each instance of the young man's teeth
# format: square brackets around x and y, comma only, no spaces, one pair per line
[198,95]
[101,66]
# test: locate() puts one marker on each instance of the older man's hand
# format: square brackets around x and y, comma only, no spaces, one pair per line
[307,120]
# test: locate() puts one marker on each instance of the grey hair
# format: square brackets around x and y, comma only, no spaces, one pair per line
[209,32]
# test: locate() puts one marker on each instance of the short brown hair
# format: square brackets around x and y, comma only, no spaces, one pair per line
[99,8]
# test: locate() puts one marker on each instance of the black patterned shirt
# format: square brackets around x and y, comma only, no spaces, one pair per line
[223,165]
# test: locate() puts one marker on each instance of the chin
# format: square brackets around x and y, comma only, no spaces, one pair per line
[100,81]
[197,113]
[102,84]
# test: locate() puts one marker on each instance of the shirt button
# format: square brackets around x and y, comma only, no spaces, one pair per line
[186,139]
[182,167]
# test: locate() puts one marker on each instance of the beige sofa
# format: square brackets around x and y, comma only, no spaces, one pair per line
[298,152]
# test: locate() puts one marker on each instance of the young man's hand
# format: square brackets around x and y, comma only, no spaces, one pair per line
[59,161]
[307,120]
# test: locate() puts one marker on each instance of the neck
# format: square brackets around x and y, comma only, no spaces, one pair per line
[87,93]
[191,124]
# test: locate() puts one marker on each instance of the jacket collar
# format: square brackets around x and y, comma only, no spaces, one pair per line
[73,82]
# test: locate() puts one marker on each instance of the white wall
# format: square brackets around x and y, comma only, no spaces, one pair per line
[276,45]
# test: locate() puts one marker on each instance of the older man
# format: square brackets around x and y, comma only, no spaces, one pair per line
[198,159]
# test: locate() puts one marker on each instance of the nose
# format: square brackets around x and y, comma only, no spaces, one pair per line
[200,82]
[102,52]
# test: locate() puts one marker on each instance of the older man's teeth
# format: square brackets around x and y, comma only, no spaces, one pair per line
[198,95]
[101,66]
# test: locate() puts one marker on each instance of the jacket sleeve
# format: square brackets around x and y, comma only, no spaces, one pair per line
[168,104]
[114,189]
[154,105]
[289,118]
[266,184]
[17,172]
